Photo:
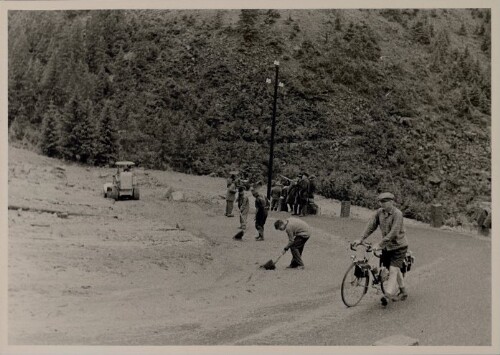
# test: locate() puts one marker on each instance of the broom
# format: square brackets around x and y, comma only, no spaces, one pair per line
[239,235]
[271,265]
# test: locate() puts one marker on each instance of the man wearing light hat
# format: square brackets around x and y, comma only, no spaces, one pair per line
[394,244]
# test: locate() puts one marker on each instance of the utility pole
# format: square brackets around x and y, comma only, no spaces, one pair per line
[273,128]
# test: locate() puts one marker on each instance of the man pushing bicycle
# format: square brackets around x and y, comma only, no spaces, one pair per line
[394,245]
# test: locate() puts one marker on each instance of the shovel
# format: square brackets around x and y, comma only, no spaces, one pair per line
[271,265]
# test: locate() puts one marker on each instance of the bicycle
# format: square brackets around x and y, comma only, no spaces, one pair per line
[357,277]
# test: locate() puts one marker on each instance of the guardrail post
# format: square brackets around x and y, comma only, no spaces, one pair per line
[436,215]
[345,208]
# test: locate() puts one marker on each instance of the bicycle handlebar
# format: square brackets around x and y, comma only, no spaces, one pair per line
[365,244]
[368,248]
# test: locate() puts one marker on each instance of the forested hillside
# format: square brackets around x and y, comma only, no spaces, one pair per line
[372,99]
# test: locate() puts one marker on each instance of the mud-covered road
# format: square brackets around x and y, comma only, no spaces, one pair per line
[163,271]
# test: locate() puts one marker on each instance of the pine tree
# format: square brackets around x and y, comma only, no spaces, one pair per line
[164,138]
[361,43]
[463,103]
[49,143]
[85,134]
[51,89]
[96,46]
[421,32]
[102,88]
[338,23]
[440,50]
[107,136]
[69,137]
[462,31]
[465,65]
[217,20]
[248,24]
[19,124]
[271,16]
[49,80]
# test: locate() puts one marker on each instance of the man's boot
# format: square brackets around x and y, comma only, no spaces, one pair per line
[384,301]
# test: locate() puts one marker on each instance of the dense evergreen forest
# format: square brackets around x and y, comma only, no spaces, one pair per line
[372,100]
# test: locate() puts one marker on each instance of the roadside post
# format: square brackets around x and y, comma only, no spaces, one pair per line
[436,215]
[273,128]
[345,208]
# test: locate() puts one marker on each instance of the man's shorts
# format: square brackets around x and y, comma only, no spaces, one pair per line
[393,257]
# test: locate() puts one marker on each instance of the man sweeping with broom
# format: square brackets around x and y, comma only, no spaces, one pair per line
[298,233]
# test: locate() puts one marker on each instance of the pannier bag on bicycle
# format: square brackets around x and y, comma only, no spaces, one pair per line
[408,262]
[361,270]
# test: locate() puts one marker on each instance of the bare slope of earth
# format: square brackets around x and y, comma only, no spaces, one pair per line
[163,271]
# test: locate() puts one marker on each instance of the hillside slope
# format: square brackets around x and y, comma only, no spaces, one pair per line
[372,100]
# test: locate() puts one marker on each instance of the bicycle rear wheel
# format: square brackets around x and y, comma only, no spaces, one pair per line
[353,287]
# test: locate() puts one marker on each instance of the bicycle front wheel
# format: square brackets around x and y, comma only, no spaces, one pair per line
[353,287]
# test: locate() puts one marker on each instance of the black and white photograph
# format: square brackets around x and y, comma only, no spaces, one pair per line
[194,177]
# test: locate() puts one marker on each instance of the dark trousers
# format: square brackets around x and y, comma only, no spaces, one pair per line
[284,206]
[394,257]
[260,221]
[296,249]
[303,206]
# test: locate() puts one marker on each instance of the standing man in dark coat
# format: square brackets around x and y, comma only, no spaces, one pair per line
[312,208]
[312,186]
[262,207]
[292,196]
[303,194]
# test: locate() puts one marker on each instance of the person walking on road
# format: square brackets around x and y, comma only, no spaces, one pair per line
[394,245]
[298,233]
[262,207]
[244,207]
[230,195]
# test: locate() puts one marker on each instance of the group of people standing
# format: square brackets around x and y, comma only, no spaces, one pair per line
[295,195]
